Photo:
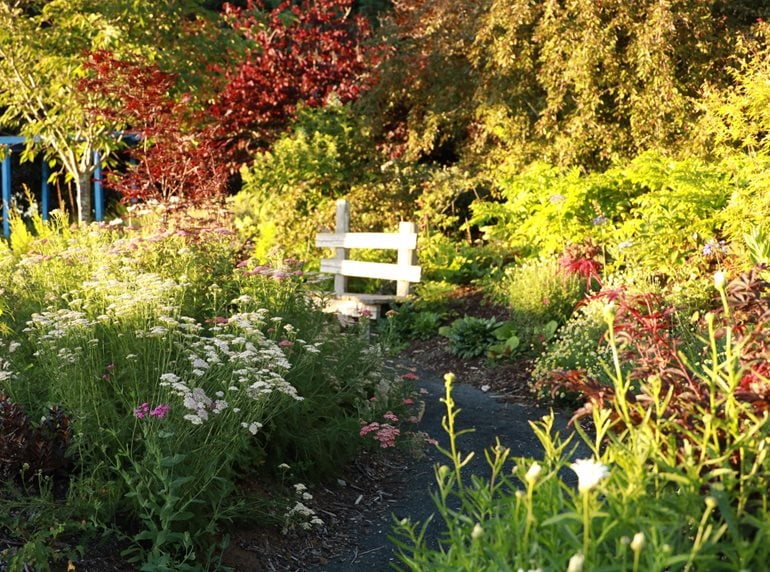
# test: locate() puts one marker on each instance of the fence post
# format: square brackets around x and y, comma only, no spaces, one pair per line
[406,257]
[44,194]
[341,226]
[6,185]
[98,192]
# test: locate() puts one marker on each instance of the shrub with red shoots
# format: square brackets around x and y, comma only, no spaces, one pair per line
[174,157]
[299,53]
[650,348]
[583,260]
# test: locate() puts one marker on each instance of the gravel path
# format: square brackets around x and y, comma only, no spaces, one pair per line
[490,418]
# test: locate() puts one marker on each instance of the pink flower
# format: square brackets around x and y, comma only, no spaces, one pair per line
[141,411]
[366,429]
[160,411]
[387,435]
[285,343]
[408,401]
[390,416]
[410,376]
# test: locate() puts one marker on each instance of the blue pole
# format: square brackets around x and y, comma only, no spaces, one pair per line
[44,191]
[98,194]
[6,184]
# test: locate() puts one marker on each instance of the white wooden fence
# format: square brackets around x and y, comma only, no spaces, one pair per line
[405,272]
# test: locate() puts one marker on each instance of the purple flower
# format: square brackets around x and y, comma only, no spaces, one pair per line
[712,247]
[142,410]
[599,220]
[159,411]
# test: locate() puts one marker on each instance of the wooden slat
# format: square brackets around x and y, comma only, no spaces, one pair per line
[371,270]
[379,240]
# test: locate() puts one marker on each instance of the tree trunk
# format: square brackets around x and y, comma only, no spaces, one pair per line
[83,198]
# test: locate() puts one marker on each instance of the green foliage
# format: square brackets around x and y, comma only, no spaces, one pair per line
[538,293]
[42,57]
[581,83]
[508,342]
[748,205]
[289,192]
[676,215]
[737,117]
[413,321]
[544,208]
[758,244]
[179,374]
[579,345]
[707,511]
[653,212]
[470,337]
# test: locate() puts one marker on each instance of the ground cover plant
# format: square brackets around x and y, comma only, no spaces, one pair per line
[148,374]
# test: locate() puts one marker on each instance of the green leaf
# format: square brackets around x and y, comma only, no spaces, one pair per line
[173,461]
[562,518]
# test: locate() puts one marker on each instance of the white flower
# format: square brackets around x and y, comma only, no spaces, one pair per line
[253,427]
[638,542]
[194,419]
[477,531]
[719,279]
[533,472]
[576,563]
[589,473]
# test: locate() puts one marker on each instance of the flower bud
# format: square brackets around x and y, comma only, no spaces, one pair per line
[720,278]
[534,471]
[576,563]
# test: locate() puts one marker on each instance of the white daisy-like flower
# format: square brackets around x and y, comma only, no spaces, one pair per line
[589,473]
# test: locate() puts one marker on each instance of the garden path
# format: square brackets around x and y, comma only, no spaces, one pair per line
[372,550]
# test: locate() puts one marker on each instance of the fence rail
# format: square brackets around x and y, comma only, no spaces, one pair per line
[405,271]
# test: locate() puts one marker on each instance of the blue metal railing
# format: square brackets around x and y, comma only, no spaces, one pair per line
[5,184]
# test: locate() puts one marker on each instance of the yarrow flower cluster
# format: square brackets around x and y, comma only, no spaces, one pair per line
[301,514]
[384,433]
[238,357]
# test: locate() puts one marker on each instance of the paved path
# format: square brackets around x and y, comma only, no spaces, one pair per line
[509,421]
